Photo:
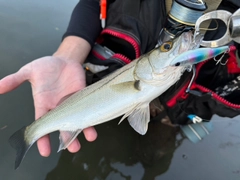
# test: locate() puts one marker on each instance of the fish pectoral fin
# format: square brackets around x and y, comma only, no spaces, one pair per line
[139,118]
[66,138]
[132,85]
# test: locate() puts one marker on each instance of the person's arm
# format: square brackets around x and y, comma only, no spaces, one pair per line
[68,59]
[54,77]
[73,48]
[85,21]
[83,29]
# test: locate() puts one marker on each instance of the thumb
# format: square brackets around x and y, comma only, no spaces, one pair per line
[12,81]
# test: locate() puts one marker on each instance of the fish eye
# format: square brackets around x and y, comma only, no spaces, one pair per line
[165,47]
[177,64]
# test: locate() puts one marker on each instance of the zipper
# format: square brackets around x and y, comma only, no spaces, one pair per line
[181,93]
[122,58]
[124,35]
[98,55]
[216,96]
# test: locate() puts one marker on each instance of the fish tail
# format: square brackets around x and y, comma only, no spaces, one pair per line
[18,142]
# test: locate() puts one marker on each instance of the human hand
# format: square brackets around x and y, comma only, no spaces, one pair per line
[52,79]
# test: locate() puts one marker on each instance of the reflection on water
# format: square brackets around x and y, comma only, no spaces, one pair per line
[31,29]
[120,153]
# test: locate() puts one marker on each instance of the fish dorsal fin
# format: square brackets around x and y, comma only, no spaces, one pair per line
[138,118]
[66,138]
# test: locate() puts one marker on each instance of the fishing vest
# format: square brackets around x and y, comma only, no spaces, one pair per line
[132,29]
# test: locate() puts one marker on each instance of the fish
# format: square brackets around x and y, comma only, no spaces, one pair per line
[126,92]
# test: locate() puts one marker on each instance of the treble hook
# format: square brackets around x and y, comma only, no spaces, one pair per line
[220,59]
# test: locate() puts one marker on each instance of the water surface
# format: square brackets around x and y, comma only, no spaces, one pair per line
[32,29]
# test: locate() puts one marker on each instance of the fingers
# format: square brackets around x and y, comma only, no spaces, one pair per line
[90,134]
[44,146]
[43,143]
[74,146]
[12,81]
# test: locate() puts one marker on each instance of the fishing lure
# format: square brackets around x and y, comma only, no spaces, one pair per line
[195,56]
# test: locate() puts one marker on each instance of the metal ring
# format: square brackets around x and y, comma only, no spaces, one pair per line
[234,26]
[218,14]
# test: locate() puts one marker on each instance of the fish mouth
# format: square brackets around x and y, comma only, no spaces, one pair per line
[184,43]
[179,45]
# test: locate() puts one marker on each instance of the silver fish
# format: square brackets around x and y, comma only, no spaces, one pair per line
[128,91]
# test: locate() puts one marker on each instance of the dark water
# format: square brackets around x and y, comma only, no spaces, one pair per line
[31,29]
